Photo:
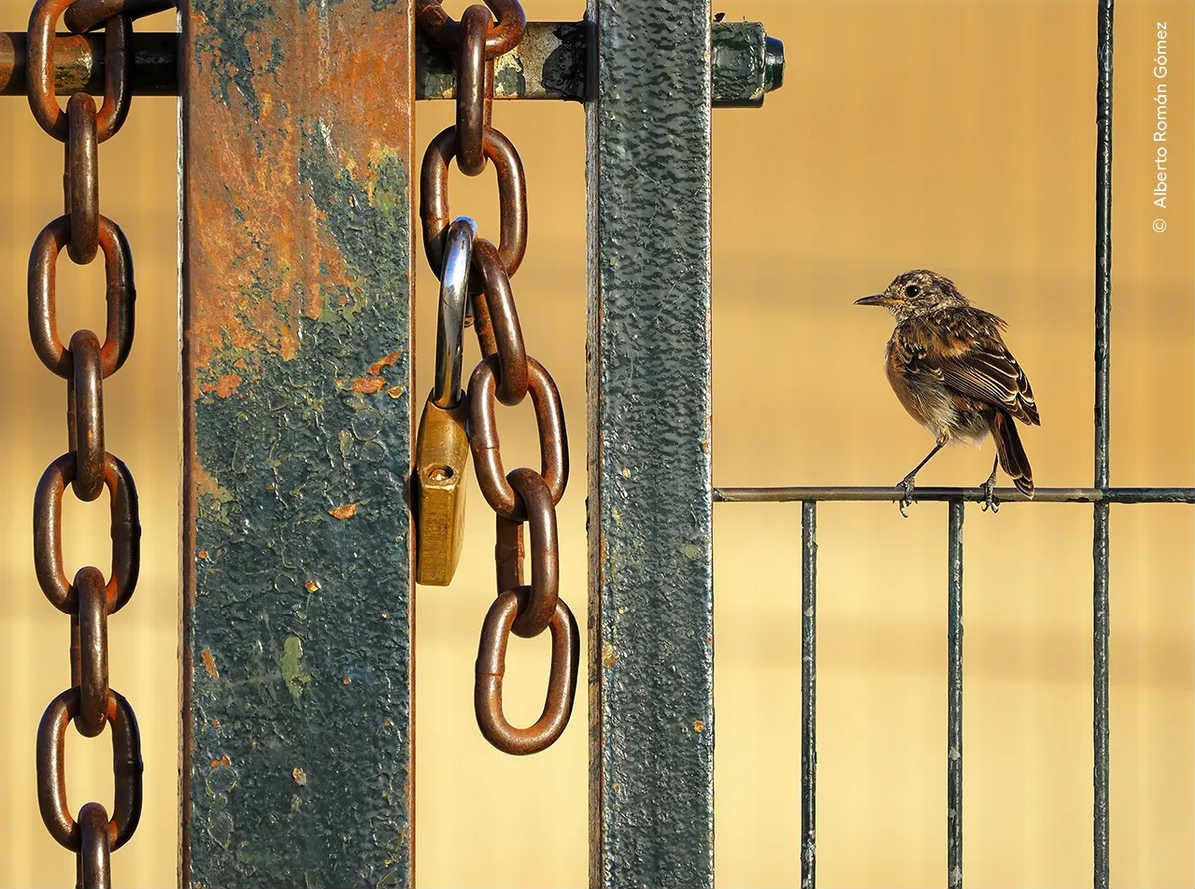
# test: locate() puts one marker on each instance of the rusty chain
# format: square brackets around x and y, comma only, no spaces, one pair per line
[87,466]
[506,373]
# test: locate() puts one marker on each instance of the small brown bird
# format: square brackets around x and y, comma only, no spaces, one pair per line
[952,372]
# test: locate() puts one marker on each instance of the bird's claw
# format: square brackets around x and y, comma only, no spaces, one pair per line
[905,486]
[989,497]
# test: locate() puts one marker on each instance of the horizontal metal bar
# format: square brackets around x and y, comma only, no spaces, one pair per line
[551,62]
[79,64]
[975,495]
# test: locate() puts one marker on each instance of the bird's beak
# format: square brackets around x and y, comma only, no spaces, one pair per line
[878,299]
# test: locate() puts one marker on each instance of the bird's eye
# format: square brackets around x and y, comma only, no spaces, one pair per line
[912,290]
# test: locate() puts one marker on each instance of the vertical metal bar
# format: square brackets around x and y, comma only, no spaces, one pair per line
[808,693]
[1100,696]
[1103,309]
[650,494]
[1103,242]
[296,760]
[954,701]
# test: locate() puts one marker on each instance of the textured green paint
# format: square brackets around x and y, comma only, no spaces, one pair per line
[297,767]
[746,64]
[651,588]
[303,672]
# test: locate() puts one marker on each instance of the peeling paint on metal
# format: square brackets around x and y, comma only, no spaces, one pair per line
[347,511]
[209,663]
[291,666]
[297,288]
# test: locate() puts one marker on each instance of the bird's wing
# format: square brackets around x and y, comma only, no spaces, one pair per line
[965,347]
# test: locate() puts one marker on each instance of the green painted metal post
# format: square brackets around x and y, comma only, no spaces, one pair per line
[296,125]
[651,591]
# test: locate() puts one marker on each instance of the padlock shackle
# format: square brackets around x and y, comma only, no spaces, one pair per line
[454,295]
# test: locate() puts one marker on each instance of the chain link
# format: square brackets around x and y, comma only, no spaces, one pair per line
[496,320]
[506,373]
[87,465]
[487,450]
[95,848]
[543,592]
[81,180]
[120,296]
[501,37]
[51,769]
[491,667]
[512,197]
[83,15]
[475,91]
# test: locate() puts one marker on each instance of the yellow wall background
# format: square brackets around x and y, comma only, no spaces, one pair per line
[953,135]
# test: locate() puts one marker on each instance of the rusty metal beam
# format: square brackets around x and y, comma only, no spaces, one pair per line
[297,128]
[549,63]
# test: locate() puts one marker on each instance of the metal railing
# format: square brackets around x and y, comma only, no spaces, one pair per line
[1101,495]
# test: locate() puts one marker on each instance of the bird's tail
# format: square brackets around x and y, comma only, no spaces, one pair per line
[1011,453]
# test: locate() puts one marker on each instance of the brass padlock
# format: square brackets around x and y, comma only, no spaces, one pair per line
[441,457]
[442,445]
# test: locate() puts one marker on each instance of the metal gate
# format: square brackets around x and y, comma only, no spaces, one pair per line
[297,128]
[351,237]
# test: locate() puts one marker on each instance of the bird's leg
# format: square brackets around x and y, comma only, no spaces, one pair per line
[989,490]
[906,483]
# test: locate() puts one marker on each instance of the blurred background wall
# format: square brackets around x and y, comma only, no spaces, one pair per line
[951,135]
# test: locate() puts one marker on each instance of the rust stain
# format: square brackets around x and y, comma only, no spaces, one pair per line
[368,385]
[361,385]
[698,726]
[344,512]
[206,484]
[222,763]
[311,586]
[209,662]
[395,391]
[224,386]
[215,723]
[375,369]
[609,656]
[252,290]
[300,776]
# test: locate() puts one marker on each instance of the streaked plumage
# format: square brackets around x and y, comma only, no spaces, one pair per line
[949,366]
